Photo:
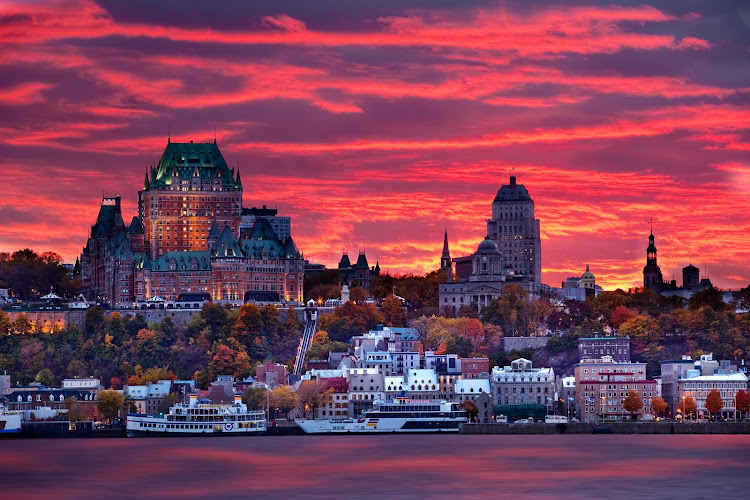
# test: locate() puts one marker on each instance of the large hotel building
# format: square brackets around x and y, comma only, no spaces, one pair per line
[191,236]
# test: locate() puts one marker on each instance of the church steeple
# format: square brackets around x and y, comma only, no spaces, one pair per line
[652,277]
[445,260]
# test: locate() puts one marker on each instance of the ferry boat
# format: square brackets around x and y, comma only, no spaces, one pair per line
[400,416]
[10,421]
[199,419]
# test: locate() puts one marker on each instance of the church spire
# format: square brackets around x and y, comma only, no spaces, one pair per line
[445,260]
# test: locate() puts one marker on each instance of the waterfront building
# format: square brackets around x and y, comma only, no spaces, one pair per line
[698,386]
[598,346]
[602,384]
[335,401]
[696,378]
[365,387]
[148,398]
[479,392]
[522,384]
[422,384]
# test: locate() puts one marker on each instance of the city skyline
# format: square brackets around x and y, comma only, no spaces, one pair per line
[379,127]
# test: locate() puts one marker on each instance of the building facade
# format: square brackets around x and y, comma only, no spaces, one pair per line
[596,347]
[601,386]
[522,384]
[515,230]
[188,239]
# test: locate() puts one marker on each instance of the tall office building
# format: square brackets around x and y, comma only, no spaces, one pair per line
[515,230]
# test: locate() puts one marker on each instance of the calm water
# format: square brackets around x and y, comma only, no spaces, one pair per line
[387,466]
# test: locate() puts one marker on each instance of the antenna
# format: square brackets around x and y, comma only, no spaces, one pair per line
[651,223]
[215,142]
[169,133]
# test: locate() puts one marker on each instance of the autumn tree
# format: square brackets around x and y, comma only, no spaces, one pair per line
[393,311]
[310,395]
[714,404]
[742,400]
[621,315]
[659,406]
[471,409]
[632,403]
[109,404]
[687,407]
[283,399]
[229,358]
[76,412]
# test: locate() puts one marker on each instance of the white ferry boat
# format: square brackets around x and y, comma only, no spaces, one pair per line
[10,421]
[199,419]
[400,416]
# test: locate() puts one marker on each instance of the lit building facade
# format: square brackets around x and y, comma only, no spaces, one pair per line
[601,386]
[188,239]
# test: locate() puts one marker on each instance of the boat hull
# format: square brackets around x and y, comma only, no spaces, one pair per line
[144,433]
[379,426]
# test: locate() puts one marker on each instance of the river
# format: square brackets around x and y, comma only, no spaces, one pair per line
[380,466]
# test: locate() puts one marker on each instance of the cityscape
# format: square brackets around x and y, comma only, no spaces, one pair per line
[483,295]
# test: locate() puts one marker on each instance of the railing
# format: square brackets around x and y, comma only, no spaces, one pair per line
[310,328]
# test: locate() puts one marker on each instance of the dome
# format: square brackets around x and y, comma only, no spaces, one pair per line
[487,245]
[587,274]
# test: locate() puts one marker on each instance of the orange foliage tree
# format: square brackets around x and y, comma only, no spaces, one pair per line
[659,406]
[632,403]
[714,404]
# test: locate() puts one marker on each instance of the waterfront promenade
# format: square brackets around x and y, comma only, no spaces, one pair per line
[385,466]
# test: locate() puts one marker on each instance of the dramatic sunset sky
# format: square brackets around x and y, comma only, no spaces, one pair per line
[377,124]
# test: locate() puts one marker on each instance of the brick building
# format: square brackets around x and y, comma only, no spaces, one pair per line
[596,347]
[601,386]
[187,239]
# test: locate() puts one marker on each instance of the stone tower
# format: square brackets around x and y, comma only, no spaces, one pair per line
[516,232]
[652,278]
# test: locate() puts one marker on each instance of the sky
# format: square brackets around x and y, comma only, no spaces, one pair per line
[377,125]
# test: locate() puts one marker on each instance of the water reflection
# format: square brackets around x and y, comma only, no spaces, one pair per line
[385,466]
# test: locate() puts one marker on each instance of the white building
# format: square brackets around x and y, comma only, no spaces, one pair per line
[422,384]
[698,386]
[86,384]
[522,384]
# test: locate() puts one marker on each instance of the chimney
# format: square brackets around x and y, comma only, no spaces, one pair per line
[238,399]
[193,399]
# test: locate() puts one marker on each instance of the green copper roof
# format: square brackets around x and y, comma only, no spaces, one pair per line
[188,160]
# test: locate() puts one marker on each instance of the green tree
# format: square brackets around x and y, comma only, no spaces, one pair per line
[708,297]
[168,402]
[45,377]
[255,398]
[459,345]
[110,403]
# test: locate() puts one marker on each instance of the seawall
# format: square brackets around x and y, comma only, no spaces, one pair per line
[611,428]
